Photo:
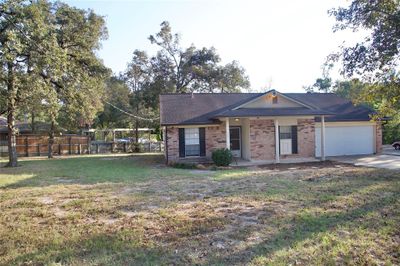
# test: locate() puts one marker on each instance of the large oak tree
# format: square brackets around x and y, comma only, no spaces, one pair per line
[47,57]
[183,70]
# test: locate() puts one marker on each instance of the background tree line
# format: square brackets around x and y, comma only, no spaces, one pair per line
[173,69]
[371,66]
[49,72]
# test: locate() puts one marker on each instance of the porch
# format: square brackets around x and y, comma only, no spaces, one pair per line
[266,140]
[240,162]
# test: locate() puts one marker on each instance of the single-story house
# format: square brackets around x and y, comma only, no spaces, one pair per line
[266,127]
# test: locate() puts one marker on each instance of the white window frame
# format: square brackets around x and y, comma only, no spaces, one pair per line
[192,138]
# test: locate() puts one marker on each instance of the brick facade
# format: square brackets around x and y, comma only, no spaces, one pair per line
[215,139]
[262,139]
[306,138]
[378,136]
[172,149]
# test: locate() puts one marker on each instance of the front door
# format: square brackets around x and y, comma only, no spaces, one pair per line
[285,138]
[236,144]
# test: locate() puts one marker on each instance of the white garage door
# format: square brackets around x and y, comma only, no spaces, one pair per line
[345,140]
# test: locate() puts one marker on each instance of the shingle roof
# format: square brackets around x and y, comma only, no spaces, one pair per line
[204,108]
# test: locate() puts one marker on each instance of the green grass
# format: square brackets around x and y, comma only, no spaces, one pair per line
[132,210]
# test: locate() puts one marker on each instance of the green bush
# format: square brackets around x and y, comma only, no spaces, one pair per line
[222,157]
[391,132]
[183,165]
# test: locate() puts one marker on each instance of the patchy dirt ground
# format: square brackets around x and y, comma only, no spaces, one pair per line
[132,210]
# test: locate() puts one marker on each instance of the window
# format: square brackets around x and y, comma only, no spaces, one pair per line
[285,132]
[192,142]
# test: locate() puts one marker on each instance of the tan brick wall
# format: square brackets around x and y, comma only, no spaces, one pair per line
[306,137]
[378,136]
[262,139]
[173,144]
[215,138]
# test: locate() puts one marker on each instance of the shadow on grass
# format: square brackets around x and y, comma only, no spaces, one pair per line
[307,225]
[113,248]
[86,170]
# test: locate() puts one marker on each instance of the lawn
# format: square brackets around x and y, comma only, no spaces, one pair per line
[132,210]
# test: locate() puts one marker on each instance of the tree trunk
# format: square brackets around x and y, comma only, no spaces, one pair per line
[136,131]
[33,122]
[137,149]
[12,139]
[51,141]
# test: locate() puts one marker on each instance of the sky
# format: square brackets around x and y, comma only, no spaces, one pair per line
[282,44]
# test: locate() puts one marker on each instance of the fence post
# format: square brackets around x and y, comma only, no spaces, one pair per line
[38,149]
[79,148]
[112,147]
[124,146]
[69,146]
[26,147]
[97,148]
[59,148]
[89,144]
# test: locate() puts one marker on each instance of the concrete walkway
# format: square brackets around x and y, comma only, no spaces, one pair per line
[389,150]
[379,161]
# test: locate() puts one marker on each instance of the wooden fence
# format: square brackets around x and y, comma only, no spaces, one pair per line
[115,147]
[31,145]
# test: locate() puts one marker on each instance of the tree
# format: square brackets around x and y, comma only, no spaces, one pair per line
[228,78]
[323,84]
[80,83]
[187,70]
[376,58]
[137,76]
[117,96]
[47,54]
[349,89]
[23,28]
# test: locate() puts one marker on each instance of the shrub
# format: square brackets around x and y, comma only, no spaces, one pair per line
[183,165]
[222,157]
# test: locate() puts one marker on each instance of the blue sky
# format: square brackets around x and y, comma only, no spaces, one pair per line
[281,43]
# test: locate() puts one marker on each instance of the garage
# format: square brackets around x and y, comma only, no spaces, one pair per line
[345,140]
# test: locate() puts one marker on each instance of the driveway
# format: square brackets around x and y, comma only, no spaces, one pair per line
[389,150]
[378,161]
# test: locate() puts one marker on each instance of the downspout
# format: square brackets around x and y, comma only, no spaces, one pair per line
[166,143]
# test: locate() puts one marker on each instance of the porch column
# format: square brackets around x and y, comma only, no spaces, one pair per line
[322,138]
[276,141]
[228,135]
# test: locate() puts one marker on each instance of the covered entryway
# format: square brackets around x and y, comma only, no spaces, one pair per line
[346,140]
